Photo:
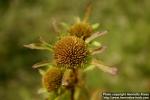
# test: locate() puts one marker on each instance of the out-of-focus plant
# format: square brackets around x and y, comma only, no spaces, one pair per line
[74,53]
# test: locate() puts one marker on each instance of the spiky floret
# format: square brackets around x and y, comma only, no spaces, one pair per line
[70,52]
[52,79]
[81,30]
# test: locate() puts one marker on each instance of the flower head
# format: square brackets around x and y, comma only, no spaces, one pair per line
[52,79]
[81,30]
[70,52]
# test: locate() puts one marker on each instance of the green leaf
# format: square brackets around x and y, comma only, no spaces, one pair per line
[95,26]
[96,43]
[90,67]
[42,90]
[42,72]
[65,25]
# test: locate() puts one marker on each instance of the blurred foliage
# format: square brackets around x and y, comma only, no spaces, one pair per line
[23,21]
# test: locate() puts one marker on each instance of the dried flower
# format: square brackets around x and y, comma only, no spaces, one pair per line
[52,79]
[70,52]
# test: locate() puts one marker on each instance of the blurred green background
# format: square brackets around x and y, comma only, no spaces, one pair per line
[128,42]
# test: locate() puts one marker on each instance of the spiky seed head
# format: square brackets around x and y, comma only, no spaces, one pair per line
[70,52]
[81,30]
[52,79]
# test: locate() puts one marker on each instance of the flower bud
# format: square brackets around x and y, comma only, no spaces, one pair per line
[52,79]
[81,30]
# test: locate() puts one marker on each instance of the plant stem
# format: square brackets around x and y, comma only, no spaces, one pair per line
[72,93]
[72,89]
